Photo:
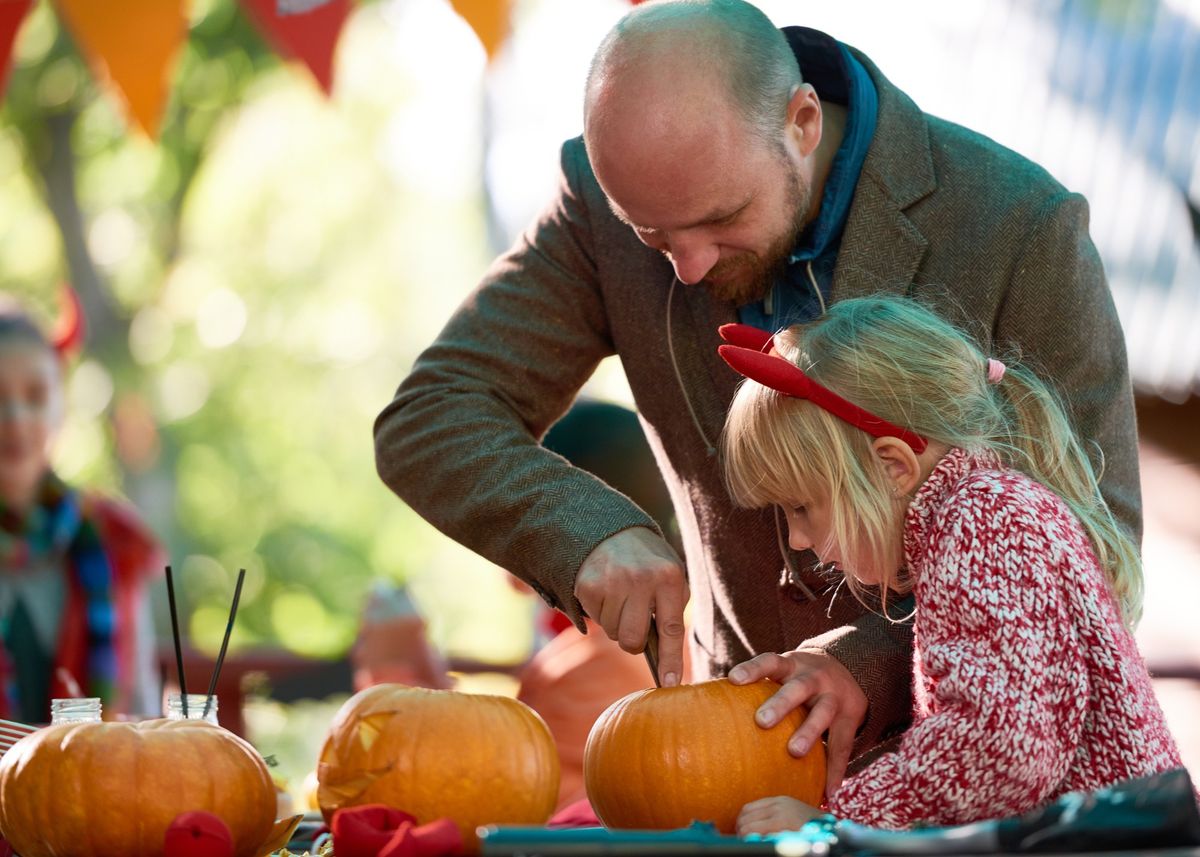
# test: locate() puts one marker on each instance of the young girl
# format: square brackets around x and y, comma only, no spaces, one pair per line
[74,616]
[910,460]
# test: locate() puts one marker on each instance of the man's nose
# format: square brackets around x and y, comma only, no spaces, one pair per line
[691,259]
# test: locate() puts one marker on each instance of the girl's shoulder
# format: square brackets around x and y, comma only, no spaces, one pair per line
[999,503]
[1006,485]
[977,495]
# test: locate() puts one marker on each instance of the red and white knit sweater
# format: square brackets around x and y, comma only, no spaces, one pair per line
[1026,683]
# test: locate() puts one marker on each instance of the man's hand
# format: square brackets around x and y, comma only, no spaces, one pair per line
[834,699]
[628,578]
[774,814]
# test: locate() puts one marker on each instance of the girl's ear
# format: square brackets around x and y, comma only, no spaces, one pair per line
[900,464]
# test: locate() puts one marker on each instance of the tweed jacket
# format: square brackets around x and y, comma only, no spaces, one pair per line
[985,237]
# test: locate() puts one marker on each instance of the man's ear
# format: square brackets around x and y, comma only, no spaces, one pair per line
[804,117]
[900,464]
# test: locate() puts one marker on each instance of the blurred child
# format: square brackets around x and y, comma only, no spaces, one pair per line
[392,646]
[74,614]
[950,475]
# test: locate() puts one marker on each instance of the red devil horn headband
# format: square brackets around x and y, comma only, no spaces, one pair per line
[751,352]
[70,329]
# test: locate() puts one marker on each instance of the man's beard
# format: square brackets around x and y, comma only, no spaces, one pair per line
[747,277]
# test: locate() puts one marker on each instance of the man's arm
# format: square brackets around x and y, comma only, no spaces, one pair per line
[877,652]
[1059,313]
[459,442]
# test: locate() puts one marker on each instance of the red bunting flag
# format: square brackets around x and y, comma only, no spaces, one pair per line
[12,13]
[131,46]
[490,19]
[305,30]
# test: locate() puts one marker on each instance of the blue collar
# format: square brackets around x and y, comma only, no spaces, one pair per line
[862,109]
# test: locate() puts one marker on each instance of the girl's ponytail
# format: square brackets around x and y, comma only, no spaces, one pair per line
[1038,439]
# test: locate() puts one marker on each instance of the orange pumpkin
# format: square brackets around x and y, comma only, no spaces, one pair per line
[471,758]
[661,758]
[112,789]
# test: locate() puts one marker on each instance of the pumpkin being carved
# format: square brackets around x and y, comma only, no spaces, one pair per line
[471,758]
[113,789]
[658,759]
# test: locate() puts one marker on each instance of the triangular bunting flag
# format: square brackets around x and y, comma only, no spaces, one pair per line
[12,14]
[305,30]
[490,19]
[131,46]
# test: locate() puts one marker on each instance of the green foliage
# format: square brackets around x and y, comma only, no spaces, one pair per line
[259,281]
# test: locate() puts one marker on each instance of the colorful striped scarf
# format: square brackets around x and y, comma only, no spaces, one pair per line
[58,530]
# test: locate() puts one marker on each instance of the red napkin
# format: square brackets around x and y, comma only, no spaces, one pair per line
[197,834]
[376,830]
[577,814]
[6,850]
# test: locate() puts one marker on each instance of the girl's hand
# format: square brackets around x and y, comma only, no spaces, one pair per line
[774,814]
[834,699]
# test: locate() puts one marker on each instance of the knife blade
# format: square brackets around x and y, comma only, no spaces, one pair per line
[651,651]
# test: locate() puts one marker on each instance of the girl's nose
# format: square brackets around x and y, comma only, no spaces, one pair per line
[798,540]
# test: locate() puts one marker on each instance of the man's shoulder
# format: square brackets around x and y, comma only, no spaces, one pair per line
[962,164]
[577,168]
[618,247]
[961,155]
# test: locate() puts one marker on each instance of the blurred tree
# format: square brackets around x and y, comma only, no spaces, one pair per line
[66,128]
[249,281]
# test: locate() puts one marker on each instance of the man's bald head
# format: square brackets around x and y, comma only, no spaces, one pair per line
[695,49]
[703,138]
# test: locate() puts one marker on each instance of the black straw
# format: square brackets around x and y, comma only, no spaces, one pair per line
[178,646]
[212,684]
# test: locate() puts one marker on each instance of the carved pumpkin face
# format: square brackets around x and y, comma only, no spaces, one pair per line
[113,789]
[660,758]
[438,753]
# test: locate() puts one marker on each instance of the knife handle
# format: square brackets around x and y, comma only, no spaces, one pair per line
[651,651]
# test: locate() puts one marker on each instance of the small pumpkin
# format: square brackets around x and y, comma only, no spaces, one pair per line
[472,758]
[661,758]
[113,789]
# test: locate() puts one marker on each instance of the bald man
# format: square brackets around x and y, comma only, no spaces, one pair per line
[732,171]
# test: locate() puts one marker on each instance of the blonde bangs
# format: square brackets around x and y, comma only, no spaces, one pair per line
[771,445]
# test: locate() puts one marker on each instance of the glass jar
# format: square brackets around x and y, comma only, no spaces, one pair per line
[79,710]
[195,707]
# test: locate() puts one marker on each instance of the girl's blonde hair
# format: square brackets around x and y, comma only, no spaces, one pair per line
[906,365]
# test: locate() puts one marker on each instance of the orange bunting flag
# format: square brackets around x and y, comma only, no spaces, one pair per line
[490,19]
[305,30]
[12,13]
[131,46]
